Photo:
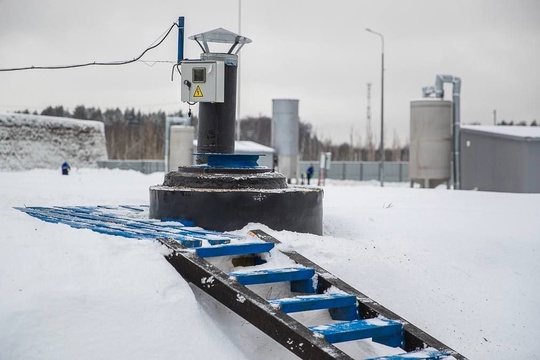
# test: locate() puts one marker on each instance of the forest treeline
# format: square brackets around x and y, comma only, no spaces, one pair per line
[131,134]
[259,129]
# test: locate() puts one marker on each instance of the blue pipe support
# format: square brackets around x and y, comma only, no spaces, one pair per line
[180,40]
[242,161]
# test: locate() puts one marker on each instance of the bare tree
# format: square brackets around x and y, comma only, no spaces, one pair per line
[396,148]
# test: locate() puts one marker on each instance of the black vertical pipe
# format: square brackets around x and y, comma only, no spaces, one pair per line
[217,120]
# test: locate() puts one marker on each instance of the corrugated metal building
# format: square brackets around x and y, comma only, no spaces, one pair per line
[500,158]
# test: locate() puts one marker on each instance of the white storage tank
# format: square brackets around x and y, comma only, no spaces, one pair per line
[431,142]
[181,146]
[285,132]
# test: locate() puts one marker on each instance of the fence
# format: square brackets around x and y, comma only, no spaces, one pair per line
[144,166]
[339,170]
[363,171]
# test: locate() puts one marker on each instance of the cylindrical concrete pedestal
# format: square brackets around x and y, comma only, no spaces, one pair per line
[229,199]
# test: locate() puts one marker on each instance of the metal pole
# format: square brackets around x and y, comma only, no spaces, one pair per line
[456,110]
[382,114]
[381,169]
[238,90]
[180,40]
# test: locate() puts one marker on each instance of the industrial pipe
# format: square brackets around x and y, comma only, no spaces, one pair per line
[438,91]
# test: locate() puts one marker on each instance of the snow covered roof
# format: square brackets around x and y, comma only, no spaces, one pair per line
[251,147]
[531,132]
[433,99]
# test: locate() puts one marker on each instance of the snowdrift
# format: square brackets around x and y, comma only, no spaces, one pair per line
[33,141]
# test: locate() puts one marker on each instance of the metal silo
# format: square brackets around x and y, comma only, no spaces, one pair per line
[181,146]
[431,142]
[285,132]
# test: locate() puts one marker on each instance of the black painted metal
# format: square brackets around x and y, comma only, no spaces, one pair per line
[232,178]
[296,208]
[279,326]
[212,170]
[217,120]
[415,338]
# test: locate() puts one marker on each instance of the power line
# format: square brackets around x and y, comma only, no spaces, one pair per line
[154,62]
[138,106]
[95,63]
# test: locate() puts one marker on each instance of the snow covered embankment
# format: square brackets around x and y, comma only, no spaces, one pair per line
[33,141]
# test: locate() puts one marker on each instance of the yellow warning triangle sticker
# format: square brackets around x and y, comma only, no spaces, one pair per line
[198,92]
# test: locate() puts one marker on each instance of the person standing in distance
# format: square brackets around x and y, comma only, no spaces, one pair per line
[65,168]
[309,173]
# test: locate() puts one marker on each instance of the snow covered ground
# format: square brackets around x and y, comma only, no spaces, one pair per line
[461,265]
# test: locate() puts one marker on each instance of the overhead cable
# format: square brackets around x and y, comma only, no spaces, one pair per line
[95,63]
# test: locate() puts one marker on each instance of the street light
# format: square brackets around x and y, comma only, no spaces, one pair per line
[381,170]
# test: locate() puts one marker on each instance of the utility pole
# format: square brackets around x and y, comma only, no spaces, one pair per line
[381,165]
[369,130]
[494,117]
[351,153]
[368,115]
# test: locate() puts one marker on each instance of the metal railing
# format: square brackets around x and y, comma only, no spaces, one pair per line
[144,166]
[360,171]
[339,170]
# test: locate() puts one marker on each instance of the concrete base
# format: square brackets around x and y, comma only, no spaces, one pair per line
[231,207]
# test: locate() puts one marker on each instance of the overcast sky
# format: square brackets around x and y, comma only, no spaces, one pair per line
[315,51]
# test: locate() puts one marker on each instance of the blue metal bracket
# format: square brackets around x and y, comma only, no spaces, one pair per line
[222,161]
[301,279]
[386,332]
[126,221]
[426,354]
[340,306]
[180,40]
[234,249]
